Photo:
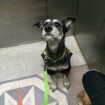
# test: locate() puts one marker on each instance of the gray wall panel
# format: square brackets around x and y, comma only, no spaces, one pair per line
[91,14]
[62,9]
[17,18]
[97,59]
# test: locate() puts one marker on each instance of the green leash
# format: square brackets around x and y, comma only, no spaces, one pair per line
[46,75]
[45,86]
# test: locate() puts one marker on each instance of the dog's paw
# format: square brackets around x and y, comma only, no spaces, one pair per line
[66,84]
[53,87]
[80,103]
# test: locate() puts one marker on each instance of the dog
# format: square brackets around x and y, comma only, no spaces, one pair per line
[56,56]
[84,98]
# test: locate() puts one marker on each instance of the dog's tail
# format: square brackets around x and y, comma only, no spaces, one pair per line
[81,94]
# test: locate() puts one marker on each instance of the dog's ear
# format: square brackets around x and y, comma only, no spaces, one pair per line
[68,22]
[38,24]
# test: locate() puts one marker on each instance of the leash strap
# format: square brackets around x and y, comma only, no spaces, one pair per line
[45,86]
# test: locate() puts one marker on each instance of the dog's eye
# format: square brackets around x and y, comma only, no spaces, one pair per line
[57,24]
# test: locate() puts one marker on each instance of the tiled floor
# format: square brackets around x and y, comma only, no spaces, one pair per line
[24,60]
[18,62]
[76,82]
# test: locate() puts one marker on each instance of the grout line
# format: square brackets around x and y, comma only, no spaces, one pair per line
[77,11]
[46,8]
[77,8]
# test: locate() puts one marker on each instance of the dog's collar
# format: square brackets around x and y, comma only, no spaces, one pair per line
[58,59]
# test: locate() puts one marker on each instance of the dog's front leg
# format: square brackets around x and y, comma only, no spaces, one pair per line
[53,85]
[66,81]
[80,102]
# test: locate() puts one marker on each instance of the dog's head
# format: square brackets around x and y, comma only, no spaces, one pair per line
[54,29]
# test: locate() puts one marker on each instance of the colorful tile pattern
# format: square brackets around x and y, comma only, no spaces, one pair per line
[30,91]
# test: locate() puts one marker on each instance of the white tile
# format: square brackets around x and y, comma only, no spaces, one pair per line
[25,60]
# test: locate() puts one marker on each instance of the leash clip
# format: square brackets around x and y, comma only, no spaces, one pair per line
[45,68]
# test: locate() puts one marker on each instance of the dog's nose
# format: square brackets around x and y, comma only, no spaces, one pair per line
[48,28]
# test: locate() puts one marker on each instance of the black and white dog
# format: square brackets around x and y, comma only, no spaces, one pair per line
[56,55]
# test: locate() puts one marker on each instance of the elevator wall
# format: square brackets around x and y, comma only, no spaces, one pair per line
[18,16]
[90,32]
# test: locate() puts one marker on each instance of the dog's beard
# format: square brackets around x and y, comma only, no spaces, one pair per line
[52,38]
[49,37]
